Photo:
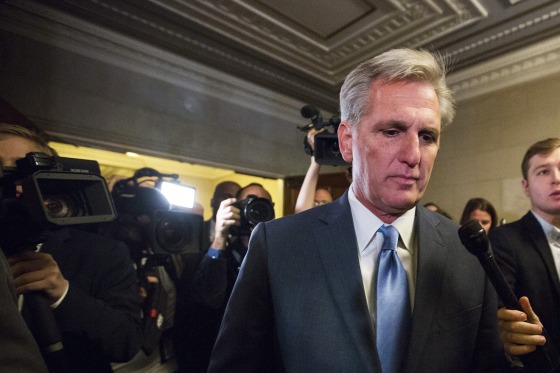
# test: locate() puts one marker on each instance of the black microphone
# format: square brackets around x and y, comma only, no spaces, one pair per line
[544,358]
[42,324]
[310,111]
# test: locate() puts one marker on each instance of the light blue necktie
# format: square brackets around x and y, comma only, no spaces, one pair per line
[393,304]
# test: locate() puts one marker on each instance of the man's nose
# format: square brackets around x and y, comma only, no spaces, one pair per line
[410,151]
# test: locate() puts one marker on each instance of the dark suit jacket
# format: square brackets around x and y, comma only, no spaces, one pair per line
[523,254]
[299,303]
[99,319]
[201,301]
[19,352]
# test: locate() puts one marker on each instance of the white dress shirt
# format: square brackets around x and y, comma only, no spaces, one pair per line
[369,245]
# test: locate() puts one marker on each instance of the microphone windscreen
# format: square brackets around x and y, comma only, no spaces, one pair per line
[474,237]
[309,111]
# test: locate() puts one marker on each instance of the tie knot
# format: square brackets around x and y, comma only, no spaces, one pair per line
[390,237]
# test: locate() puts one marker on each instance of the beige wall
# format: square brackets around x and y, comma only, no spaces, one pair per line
[481,151]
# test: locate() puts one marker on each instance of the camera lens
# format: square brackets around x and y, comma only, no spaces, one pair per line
[259,210]
[172,233]
[61,206]
[332,150]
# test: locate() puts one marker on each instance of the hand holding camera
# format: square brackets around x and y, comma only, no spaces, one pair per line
[227,216]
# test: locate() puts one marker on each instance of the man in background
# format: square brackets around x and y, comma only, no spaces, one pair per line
[528,253]
[213,279]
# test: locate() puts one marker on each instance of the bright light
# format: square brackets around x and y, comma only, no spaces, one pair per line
[177,194]
[132,154]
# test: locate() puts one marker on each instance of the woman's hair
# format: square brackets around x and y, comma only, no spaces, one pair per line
[393,66]
[482,205]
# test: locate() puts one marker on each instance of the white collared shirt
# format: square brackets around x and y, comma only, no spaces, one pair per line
[552,234]
[369,244]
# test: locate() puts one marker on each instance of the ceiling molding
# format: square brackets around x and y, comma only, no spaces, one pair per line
[534,62]
[52,27]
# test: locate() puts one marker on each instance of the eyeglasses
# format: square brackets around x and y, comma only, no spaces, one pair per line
[319,203]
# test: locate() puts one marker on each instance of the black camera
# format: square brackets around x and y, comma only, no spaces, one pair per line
[253,210]
[176,232]
[55,192]
[326,151]
[150,213]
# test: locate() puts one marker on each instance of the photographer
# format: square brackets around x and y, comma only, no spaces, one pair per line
[208,289]
[88,280]
[309,195]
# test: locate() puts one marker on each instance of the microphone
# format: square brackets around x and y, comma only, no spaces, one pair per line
[310,111]
[43,326]
[544,358]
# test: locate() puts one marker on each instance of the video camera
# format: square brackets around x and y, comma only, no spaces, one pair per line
[55,192]
[164,227]
[326,151]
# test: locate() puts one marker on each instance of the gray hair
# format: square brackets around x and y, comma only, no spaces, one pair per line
[395,65]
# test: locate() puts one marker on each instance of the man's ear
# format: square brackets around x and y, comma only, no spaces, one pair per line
[525,186]
[345,141]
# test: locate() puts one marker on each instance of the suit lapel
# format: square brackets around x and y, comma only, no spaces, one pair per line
[431,265]
[541,245]
[336,242]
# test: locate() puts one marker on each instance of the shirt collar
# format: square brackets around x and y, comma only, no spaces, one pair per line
[367,223]
[552,233]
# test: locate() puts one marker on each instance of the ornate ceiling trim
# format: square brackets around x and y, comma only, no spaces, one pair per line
[540,19]
[534,62]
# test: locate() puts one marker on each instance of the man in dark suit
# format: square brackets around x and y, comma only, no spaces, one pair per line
[88,280]
[307,296]
[528,252]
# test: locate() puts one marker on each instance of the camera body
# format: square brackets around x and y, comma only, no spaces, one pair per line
[150,212]
[56,192]
[326,151]
[253,210]
[176,232]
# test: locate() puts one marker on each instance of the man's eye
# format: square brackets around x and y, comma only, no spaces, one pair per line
[428,138]
[391,132]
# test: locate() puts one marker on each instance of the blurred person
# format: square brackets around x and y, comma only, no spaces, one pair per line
[433,207]
[142,207]
[309,195]
[224,190]
[19,352]
[88,280]
[310,296]
[481,210]
[213,280]
[528,253]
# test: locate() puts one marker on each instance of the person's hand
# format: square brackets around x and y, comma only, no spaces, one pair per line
[36,271]
[311,137]
[227,216]
[520,331]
